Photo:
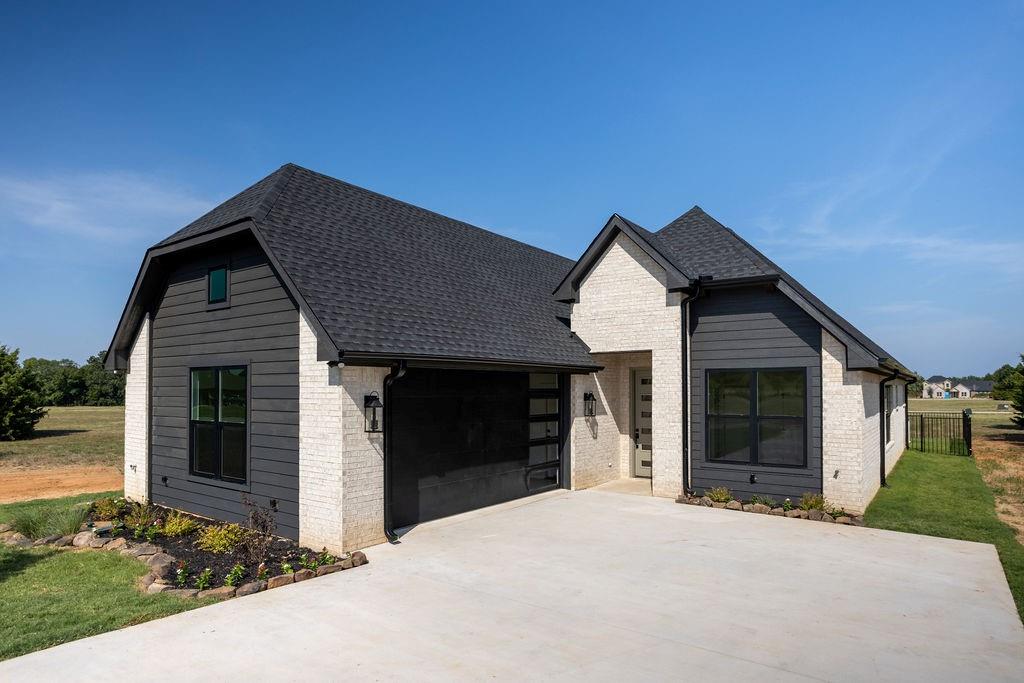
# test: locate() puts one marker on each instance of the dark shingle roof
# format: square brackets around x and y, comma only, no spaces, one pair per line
[979,385]
[711,248]
[385,277]
[935,379]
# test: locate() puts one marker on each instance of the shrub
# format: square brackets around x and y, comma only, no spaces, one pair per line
[787,505]
[234,576]
[20,399]
[139,518]
[812,501]
[287,568]
[763,500]
[309,561]
[178,524]
[262,526]
[221,538]
[109,508]
[204,579]
[719,494]
[31,523]
[67,520]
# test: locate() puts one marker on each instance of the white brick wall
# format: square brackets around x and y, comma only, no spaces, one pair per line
[320,447]
[850,424]
[341,474]
[363,457]
[136,418]
[625,307]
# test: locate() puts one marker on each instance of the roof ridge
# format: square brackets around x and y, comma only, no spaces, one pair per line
[275,191]
[429,211]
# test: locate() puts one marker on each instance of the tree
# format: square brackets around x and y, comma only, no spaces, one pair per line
[102,388]
[915,387]
[1006,380]
[1018,406]
[60,381]
[20,401]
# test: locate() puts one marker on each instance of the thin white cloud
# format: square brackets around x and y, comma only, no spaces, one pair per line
[113,206]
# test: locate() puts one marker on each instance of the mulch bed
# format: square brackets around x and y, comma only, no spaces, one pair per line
[183,548]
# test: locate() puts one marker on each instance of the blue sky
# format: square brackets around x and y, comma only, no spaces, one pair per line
[876,152]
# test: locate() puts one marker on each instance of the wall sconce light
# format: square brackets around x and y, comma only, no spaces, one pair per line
[589,404]
[373,410]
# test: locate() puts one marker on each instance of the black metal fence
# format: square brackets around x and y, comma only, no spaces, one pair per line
[948,433]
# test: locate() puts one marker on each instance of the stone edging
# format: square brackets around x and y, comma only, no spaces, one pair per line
[796,513]
[161,565]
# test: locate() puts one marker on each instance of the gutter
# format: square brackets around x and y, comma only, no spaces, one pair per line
[881,425]
[397,372]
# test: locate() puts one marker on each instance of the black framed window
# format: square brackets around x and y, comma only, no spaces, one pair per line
[757,417]
[217,285]
[218,413]
[890,404]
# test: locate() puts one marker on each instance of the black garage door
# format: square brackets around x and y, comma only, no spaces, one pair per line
[464,439]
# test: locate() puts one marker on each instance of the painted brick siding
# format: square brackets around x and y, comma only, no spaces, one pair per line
[341,466]
[320,447]
[363,460]
[136,418]
[624,307]
[851,422]
[602,452]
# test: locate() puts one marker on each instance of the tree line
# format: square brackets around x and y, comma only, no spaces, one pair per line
[27,387]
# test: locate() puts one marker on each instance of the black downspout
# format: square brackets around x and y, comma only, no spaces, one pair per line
[686,399]
[397,372]
[881,426]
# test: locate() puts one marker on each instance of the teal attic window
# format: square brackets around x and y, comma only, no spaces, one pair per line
[217,285]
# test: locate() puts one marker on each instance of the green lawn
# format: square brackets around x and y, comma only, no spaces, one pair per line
[48,596]
[954,405]
[944,495]
[71,436]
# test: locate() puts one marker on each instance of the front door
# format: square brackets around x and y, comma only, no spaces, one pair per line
[642,448]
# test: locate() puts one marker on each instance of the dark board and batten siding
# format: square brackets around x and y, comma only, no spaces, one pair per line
[258,329]
[754,328]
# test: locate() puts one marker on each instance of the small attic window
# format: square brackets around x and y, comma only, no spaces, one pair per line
[217,285]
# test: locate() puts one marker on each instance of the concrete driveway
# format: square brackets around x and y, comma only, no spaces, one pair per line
[596,585]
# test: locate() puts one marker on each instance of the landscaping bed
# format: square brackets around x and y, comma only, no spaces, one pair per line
[811,506]
[187,556]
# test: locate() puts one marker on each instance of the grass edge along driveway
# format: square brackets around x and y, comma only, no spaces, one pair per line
[49,597]
[944,495]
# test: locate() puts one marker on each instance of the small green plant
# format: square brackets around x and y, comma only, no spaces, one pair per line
[763,500]
[812,501]
[719,494]
[309,561]
[31,523]
[787,505]
[152,531]
[220,538]
[326,557]
[234,576]
[109,508]
[287,568]
[139,519]
[67,520]
[178,524]
[181,574]
[261,572]
[204,579]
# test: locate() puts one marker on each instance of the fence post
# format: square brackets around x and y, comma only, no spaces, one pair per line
[967,432]
[920,433]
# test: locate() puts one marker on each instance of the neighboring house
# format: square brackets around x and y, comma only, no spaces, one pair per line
[358,364]
[942,387]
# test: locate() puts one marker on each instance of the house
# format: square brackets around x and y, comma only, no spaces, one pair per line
[357,365]
[938,386]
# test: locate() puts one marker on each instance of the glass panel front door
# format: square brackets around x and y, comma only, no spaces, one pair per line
[643,400]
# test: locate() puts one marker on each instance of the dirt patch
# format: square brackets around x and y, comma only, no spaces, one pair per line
[18,483]
[1000,456]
